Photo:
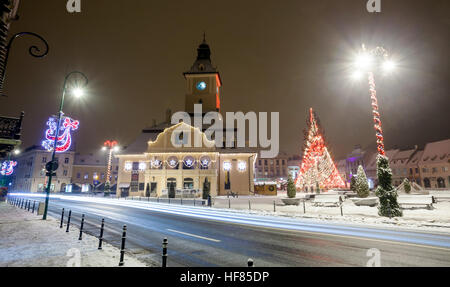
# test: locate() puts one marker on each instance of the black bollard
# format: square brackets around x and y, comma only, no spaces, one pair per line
[342,213]
[229,203]
[194,201]
[157,199]
[100,239]
[304,207]
[181,201]
[81,227]
[249,205]
[62,219]
[122,247]
[34,204]
[274,207]
[68,220]
[250,262]
[29,205]
[21,203]
[164,254]
[169,200]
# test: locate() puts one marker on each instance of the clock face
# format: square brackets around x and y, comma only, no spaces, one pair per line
[201,86]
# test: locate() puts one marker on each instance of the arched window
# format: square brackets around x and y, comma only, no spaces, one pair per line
[171,182]
[441,182]
[426,182]
[188,183]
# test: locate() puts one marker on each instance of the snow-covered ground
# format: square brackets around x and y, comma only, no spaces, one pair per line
[28,241]
[437,219]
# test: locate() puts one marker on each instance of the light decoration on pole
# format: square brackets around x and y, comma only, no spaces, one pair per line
[112,146]
[64,140]
[317,167]
[7,167]
[366,62]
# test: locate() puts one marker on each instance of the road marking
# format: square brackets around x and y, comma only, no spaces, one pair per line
[193,235]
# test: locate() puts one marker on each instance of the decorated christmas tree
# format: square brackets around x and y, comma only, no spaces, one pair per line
[385,191]
[317,168]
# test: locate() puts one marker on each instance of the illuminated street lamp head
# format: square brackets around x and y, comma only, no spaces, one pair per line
[16,151]
[388,66]
[78,92]
[116,149]
[363,61]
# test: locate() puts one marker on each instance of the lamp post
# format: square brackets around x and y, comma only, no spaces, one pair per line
[54,165]
[366,62]
[112,146]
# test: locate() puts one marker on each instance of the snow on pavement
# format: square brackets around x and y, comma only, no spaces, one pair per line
[28,241]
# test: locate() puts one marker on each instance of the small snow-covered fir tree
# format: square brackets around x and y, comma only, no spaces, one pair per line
[353,183]
[291,190]
[407,185]
[385,191]
[361,183]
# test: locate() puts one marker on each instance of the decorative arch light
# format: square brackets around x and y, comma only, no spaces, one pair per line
[227,166]
[172,161]
[156,163]
[205,161]
[128,166]
[242,166]
[64,137]
[189,161]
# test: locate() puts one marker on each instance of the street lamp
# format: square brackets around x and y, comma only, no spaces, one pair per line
[112,146]
[367,61]
[54,165]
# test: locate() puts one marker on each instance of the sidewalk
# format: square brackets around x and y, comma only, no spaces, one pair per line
[28,241]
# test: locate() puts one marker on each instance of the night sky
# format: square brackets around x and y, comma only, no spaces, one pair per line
[280,56]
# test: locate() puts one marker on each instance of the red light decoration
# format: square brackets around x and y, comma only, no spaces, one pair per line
[64,141]
[376,115]
[317,166]
[8,168]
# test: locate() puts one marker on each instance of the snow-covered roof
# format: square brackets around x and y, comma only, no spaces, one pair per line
[436,152]
[402,157]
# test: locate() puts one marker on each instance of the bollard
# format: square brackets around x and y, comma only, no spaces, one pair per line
[164,254]
[34,204]
[250,262]
[122,247]
[229,203]
[304,207]
[21,203]
[68,220]
[342,214]
[62,219]
[169,200]
[100,239]
[274,207]
[29,205]
[181,201]
[81,228]
[194,201]
[157,199]
[249,205]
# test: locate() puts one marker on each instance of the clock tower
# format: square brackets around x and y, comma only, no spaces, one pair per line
[203,82]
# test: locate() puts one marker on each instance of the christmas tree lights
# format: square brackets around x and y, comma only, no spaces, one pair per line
[317,167]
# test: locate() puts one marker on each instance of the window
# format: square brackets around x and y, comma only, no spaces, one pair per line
[66,160]
[188,183]
[434,170]
[44,159]
[417,170]
[86,176]
[65,172]
[78,175]
[141,186]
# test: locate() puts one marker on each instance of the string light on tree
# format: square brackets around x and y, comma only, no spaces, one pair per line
[112,146]
[317,167]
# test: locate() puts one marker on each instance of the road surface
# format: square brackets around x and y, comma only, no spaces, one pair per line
[201,236]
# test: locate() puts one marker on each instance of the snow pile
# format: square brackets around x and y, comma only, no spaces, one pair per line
[28,241]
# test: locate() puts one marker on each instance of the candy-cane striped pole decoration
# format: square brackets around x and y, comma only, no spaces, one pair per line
[376,115]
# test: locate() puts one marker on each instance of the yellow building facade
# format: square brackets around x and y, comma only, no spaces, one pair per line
[186,168]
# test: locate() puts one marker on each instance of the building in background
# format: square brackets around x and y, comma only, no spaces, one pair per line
[89,172]
[294,163]
[272,169]
[434,165]
[30,173]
